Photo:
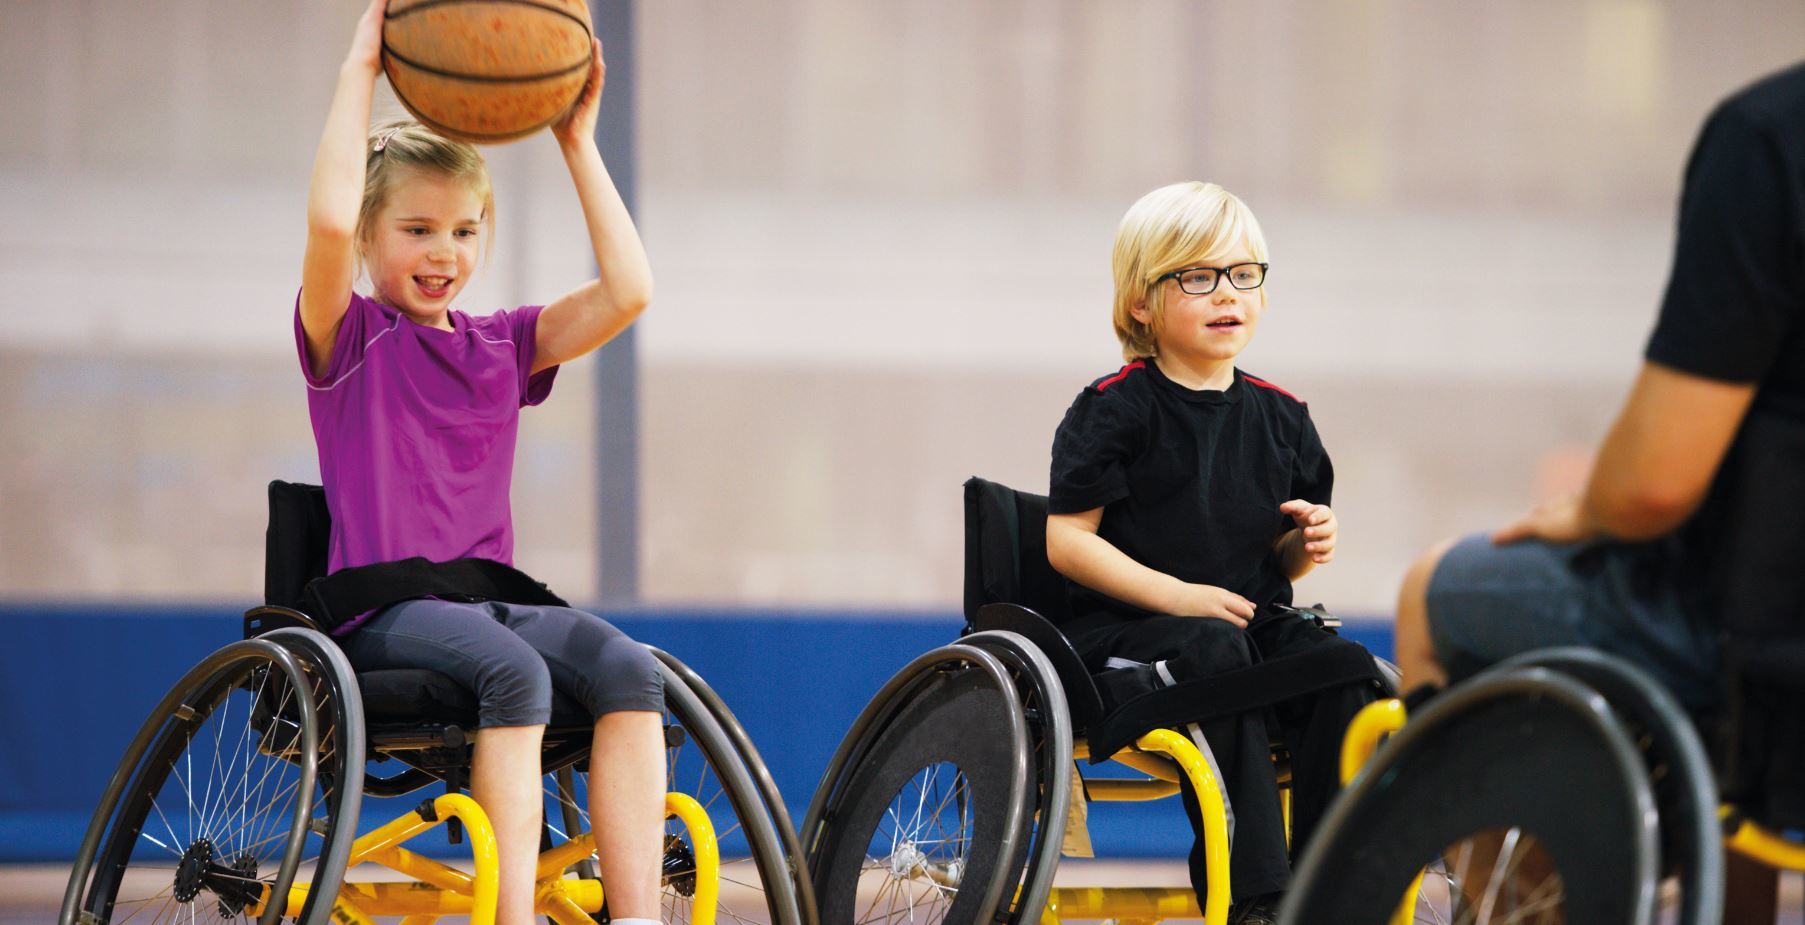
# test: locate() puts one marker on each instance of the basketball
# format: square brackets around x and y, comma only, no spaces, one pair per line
[487,71]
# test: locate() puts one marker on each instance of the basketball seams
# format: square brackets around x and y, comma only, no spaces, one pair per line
[430,4]
[582,65]
[465,134]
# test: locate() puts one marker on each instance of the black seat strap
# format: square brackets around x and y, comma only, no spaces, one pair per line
[347,593]
[1243,690]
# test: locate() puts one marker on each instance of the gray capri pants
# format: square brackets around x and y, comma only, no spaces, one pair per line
[512,655]
[1489,602]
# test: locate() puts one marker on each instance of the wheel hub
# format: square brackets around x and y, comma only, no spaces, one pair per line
[234,883]
[679,866]
[908,862]
[192,869]
[239,888]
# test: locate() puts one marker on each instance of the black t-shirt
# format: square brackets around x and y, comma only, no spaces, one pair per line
[1735,312]
[1190,482]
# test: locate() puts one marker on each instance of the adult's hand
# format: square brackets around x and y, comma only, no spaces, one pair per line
[1562,520]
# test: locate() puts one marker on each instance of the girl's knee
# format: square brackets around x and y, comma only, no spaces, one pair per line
[626,676]
[514,689]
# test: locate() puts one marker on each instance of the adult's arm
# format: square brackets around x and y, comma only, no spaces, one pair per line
[1662,453]
[1733,292]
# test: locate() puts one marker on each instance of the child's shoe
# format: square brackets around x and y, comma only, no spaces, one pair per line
[1260,910]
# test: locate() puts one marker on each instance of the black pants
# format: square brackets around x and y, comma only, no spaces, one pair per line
[1310,726]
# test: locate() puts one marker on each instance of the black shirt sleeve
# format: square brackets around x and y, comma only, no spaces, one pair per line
[1103,432]
[1736,269]
[1314,478]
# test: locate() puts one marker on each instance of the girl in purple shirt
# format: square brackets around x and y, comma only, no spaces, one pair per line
[415,408]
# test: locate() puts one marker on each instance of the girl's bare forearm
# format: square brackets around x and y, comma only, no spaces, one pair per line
[338,165]
[625,273]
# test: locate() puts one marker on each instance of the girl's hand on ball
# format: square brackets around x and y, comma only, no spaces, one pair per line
[366,42]
[578,124]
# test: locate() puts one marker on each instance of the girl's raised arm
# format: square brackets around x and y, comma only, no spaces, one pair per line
[336,194]
[594,312]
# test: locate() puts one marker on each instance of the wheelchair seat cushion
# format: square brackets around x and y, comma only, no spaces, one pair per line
[395,696]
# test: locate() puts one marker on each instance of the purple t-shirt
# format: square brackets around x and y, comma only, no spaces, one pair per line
[416,429]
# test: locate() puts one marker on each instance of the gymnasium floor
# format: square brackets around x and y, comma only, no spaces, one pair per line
[30,895]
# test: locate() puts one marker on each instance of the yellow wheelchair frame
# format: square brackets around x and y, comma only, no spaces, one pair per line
[438,889]
[1145,905]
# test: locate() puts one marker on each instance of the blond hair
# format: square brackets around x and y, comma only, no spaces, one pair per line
[1176,226]
[398,148]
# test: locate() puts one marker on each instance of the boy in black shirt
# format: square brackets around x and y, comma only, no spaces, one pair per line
[1185,498]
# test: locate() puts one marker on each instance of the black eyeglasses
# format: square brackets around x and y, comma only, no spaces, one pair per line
[1203,280]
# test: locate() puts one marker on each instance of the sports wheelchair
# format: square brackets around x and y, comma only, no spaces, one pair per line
[949,798]
[239,798]
[1561,785]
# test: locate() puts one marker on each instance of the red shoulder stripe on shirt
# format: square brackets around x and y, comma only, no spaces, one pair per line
[1121,374]
[1267,385]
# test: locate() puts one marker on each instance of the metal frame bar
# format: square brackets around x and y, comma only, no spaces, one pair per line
[438,889]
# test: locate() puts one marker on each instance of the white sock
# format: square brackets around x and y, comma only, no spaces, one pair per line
[637,922]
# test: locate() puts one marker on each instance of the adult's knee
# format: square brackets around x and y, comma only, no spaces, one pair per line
[1413,595]
[1414,648]
[514,688]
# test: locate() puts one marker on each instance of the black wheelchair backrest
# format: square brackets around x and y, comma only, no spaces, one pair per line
[1006,552]
[294,547]
[1009,585]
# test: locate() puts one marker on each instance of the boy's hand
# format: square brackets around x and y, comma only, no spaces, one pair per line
[366,42]
[1318,525]
[578,125]
[1195,600]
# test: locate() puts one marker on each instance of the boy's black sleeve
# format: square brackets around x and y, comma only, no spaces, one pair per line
[1314,478]
[1101,434]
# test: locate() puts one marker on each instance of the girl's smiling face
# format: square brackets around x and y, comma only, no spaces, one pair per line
[424,245]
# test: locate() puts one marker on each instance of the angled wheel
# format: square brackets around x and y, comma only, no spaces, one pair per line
[1520,787]
[1677,767]
[923,813]
[1049,726]
[242,785]
[762,781]
[702,762]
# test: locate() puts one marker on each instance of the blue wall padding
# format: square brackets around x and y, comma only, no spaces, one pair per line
[77,681]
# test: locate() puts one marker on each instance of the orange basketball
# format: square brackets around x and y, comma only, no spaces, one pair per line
[487,70]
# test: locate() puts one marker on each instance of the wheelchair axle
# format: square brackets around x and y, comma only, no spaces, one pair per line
[235,883]
[679,866]
[908,862]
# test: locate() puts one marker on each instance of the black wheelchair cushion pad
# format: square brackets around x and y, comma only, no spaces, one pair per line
[394,696]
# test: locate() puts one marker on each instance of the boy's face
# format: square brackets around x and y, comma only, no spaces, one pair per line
[1208,328]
